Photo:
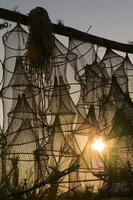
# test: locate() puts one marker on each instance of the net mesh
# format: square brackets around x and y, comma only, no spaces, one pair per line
[54,110]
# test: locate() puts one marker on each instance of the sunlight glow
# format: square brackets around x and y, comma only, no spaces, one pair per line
[98,145]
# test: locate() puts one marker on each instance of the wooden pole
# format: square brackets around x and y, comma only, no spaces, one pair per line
[52,179]
[68,31]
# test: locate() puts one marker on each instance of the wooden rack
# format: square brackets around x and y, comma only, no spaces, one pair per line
[69,32]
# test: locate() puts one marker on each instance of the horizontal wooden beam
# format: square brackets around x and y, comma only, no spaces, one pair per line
[69,32]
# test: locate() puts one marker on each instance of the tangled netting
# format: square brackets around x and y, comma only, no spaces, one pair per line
[40,41]
[53,112]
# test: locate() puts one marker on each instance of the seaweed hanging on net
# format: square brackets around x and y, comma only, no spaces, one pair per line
[40,41]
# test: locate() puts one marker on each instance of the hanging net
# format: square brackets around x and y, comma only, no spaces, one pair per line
[59,103]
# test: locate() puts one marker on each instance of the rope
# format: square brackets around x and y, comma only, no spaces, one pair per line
[40,42]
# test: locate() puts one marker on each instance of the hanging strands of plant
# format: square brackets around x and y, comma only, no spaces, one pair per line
[40,42]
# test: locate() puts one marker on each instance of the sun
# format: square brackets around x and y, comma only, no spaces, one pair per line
[98,145]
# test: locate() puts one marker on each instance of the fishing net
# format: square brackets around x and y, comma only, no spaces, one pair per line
[56,102]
